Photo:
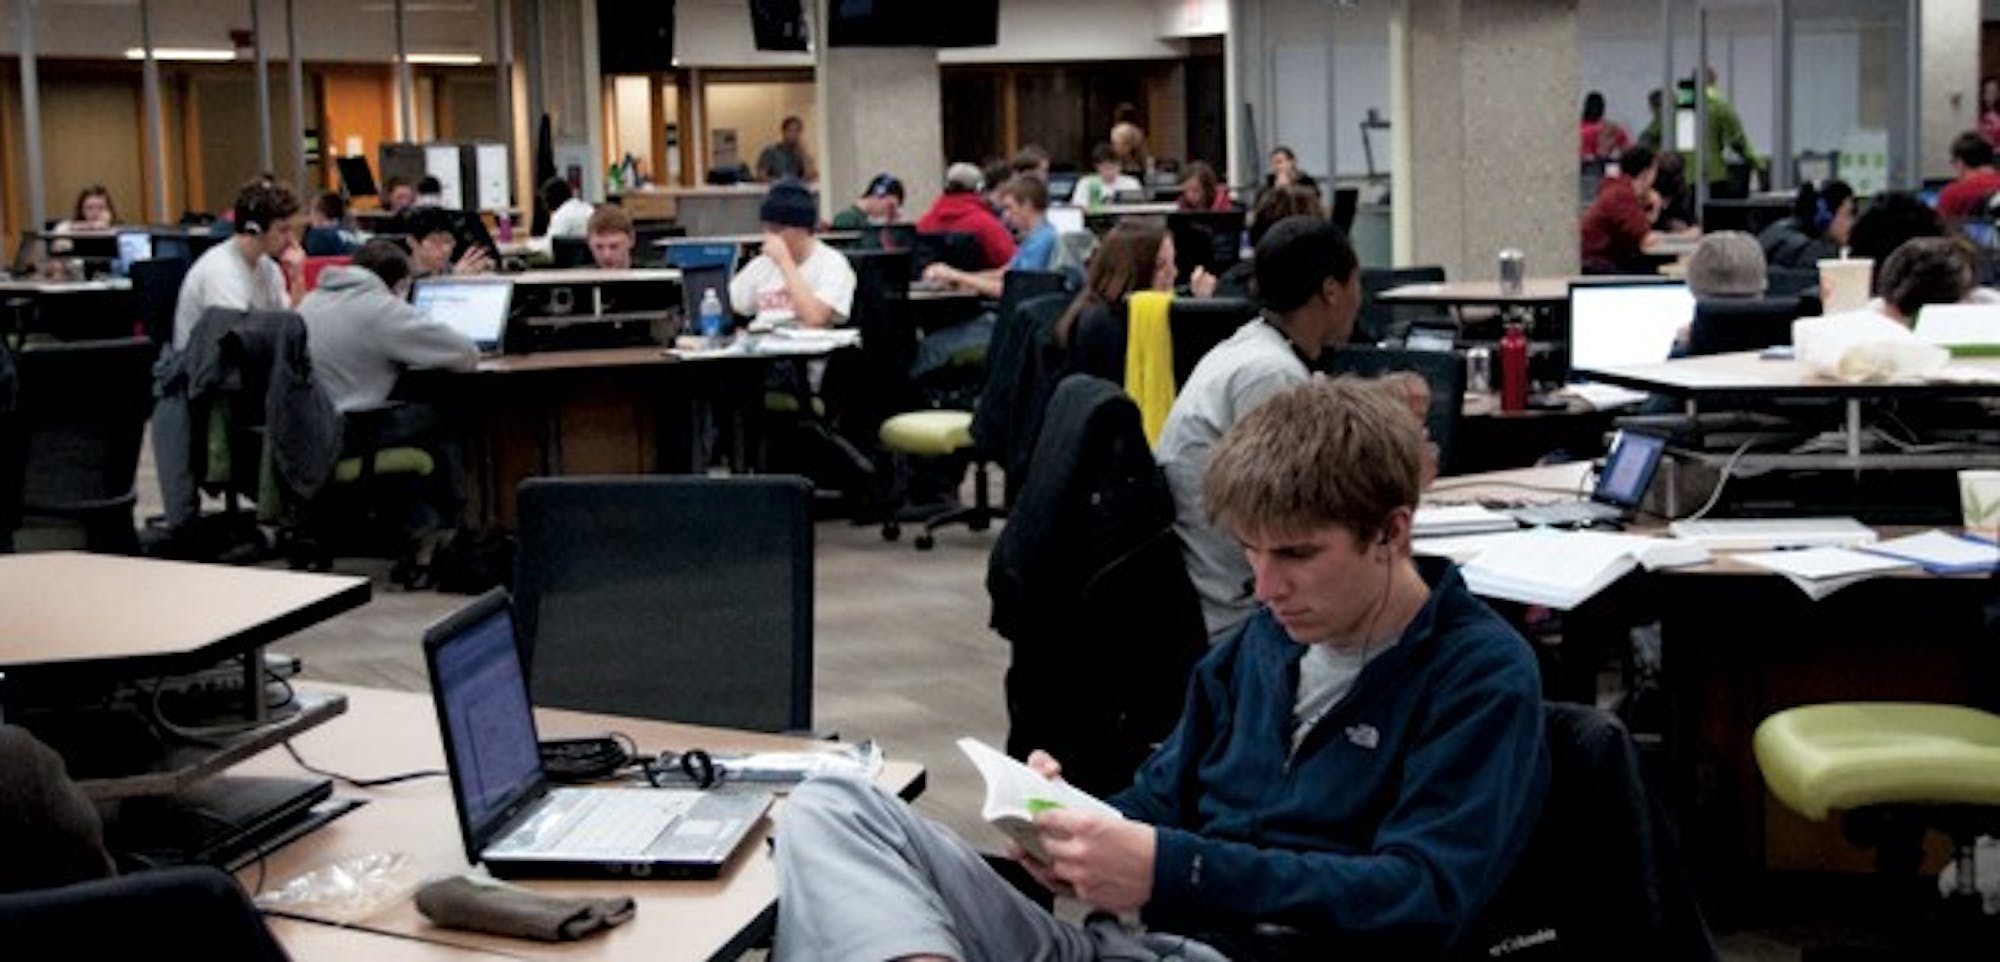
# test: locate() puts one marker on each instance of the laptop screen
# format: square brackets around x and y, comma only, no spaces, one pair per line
[1612,325]
[1628,470]
[133,246]
[474,308]
[1066,220]
[490,729]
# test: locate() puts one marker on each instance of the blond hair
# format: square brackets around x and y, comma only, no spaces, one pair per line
[1345,452]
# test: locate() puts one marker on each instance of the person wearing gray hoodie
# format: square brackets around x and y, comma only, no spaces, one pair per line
[362,334]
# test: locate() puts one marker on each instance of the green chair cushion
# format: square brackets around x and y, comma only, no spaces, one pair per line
[787,402]
[1847,755]
[415,461]
[928,433]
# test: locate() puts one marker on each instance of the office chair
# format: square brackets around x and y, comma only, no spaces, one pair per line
[941,434]
[157,284]
[686,599]
[1378,322]
[1199,324]
[1209,239]
[1443,372]
[83,409]
[1792,282]
[1895,769]
[1723,325]
[952,248]
[1346,205]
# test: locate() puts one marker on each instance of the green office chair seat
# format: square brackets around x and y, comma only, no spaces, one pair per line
[415,461]
[787,402]
[1848,755]
[932,434]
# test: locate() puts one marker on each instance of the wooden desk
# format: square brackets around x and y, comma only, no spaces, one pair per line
[30,286]
[70,609]
[308,941]
[1747,375]
[397,731]
[592,275]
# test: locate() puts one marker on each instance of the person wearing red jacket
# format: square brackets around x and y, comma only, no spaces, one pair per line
[962,210]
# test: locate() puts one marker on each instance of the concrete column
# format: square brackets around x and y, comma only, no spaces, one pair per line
[1489,106]
[1949,85]
[879,110]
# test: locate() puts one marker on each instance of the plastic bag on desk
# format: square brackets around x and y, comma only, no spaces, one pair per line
[348,890]
[1863,347]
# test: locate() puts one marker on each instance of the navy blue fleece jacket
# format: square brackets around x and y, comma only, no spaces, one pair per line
[1400,814]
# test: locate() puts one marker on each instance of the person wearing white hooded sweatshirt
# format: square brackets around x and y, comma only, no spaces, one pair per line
[363,334]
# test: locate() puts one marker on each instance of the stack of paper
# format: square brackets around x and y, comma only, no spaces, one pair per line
[1604,397]
[1822,571]
[1444,521]
[1941,553]
[1563,569]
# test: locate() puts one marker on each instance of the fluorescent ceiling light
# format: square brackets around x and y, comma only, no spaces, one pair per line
[216,54]
[445,59]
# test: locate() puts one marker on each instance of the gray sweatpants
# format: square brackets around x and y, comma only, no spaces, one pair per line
[861,878]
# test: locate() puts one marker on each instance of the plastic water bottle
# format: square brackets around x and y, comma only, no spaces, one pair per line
[505,224]
[710,324]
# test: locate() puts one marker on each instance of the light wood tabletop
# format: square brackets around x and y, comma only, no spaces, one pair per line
[389,732]
[1749,372]
[67,607]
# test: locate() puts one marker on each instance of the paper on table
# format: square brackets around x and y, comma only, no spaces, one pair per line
[1822,571]
[1941,553]
[1605,396]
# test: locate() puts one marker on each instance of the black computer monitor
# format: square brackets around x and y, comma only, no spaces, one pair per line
[356,178]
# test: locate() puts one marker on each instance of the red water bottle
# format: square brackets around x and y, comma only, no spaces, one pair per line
[1514,369]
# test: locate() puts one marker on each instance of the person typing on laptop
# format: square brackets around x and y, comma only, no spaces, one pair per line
[1362,761]
[362,334]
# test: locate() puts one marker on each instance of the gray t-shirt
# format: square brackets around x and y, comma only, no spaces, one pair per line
[1326,675]
[221,277]
[1234,377]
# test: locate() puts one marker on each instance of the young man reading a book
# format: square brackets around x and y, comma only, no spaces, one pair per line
[1362,762]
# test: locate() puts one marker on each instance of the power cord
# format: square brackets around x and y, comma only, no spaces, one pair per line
[1721,482]
[354,782]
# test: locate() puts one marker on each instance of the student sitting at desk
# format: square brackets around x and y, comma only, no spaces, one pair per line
[570,214]
[398,196]
[328,234]
[260,268]
[1363,761]
[93,211]
[1108,184]
[1024,206]
[1285,171]
[1273,206]
[796,279]
[788,157]
[1972,193]
[1202,190]
[1310,284]
[1031,160]
[879,203]
[611,238]
[1136,255]
[1618,227]
[363,334]
[961,210]
[432,239]
[1925,271]
[1821,222]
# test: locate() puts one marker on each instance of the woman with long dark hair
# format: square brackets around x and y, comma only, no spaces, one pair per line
[1138,254]
[1598,138]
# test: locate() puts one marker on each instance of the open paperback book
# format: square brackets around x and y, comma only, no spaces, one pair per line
[1015,794]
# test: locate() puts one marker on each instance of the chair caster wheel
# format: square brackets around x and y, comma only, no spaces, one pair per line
[892,531]
[925,542]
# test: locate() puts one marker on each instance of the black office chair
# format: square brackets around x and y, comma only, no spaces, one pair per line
[157,284]
[686,599]
[1378,322]
[568,252]
[1442,371]
[1791,281]
[83,410]
[1209,239]
[1723,325]
[1346,204]
[1199,324]
[136,916]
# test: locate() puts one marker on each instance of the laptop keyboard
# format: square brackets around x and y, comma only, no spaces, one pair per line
[611,823]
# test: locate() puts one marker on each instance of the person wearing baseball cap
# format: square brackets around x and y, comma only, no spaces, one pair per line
[880,203]
[796,279]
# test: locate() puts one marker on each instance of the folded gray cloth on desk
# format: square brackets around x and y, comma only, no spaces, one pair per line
[484,905]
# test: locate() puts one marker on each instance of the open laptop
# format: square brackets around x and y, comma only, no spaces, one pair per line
[520,825]
[1622,324]
[473,306]
[1628,472]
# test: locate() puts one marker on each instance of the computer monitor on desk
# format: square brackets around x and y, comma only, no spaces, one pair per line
[474,307]
[1615,325]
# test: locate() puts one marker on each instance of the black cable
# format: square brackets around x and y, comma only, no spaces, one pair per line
[241,832]
[353,782]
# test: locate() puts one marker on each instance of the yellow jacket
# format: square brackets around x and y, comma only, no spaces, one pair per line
[1149,359]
